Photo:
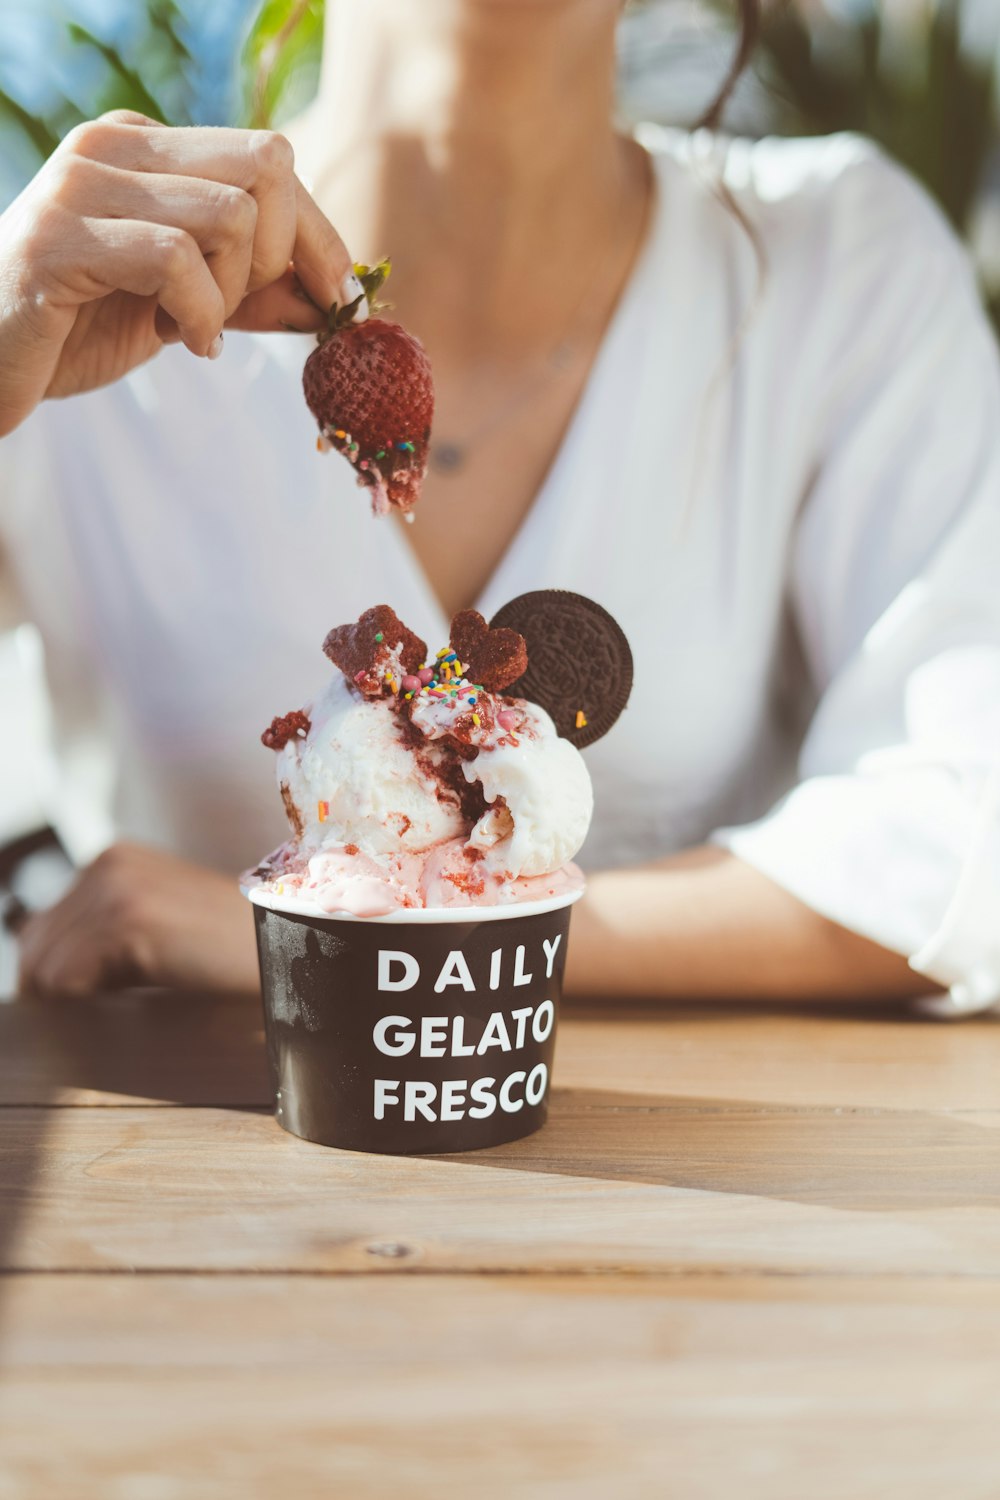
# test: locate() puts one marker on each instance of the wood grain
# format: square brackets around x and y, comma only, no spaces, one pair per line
[603,1187]
[752,1254]
[103,1323]
[853,1057]
[242,1386]
[356,1380]
[133,1047]
[582,1431]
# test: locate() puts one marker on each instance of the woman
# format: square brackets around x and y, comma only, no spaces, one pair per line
[741,394]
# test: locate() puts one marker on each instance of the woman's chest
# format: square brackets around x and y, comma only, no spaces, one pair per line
[191,567]
[482,483]
[202,602]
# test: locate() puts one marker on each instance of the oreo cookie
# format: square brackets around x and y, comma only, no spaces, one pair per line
[579,661]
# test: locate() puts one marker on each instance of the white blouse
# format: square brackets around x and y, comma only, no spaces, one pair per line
[783,478]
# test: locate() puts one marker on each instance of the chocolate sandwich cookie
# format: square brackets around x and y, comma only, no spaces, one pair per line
[579,661]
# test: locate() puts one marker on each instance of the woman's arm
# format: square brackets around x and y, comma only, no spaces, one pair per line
[134,235]
[704,925]
[892,829]
[699,925]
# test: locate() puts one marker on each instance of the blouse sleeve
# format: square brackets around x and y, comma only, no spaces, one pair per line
[893,829]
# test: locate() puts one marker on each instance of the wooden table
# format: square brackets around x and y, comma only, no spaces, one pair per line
[752,1254]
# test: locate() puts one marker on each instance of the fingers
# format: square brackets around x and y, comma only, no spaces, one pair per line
[206,222]
[220,219]
[138,916]
[320,257]
[128,117]
[155,260]
[97,937]
[63,950]
[289,226]
[58,960]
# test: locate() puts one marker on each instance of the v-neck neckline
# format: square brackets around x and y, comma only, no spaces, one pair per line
[519,545]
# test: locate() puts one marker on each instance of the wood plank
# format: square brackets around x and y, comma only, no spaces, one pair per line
[214,1388]
[566,1432]
[133,1047]
[127,1048]
[104,1323]
[849,1162]
[663,1186]
[853,1057]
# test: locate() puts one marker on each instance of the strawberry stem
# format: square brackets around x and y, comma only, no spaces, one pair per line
[372,278]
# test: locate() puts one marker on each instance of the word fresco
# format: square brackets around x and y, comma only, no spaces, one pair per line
[516,1025]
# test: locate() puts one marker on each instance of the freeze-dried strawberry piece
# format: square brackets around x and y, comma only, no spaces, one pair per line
[369,652]
[494,658]
[286,727]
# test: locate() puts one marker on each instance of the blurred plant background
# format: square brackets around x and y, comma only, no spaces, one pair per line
[919,76]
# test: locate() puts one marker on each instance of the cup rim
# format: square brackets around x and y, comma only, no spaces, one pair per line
[411,916]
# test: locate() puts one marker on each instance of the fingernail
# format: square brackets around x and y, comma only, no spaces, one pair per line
[350,290]
[215,347]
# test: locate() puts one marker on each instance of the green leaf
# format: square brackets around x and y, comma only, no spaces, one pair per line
[372,278]
[164,20]
[937,115]
[281,59]
[39,132]
[126,89]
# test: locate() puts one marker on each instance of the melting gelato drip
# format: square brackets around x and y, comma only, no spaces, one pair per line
[412,783]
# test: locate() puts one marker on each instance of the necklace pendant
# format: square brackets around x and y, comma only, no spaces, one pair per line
[446,458]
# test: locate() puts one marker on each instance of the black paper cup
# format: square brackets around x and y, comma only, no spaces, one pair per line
[419,1032]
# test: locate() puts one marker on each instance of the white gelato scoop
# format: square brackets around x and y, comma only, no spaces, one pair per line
[352,780]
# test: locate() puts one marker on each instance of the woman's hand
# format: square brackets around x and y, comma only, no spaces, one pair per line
[138,916]
[135,234]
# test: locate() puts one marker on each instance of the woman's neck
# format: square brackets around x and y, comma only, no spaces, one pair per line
[475,134]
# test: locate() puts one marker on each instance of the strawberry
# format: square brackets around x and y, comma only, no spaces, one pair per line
[369,387]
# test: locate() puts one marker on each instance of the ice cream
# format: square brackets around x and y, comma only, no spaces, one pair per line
[416,781]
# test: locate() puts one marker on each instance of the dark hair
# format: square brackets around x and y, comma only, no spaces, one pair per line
[748,38]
